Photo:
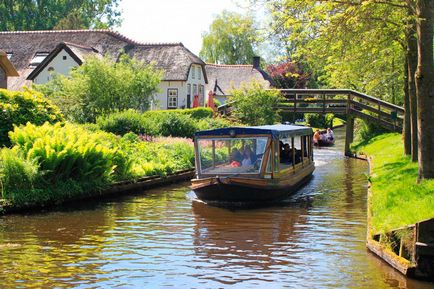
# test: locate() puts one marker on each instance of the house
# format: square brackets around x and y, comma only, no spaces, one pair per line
[223,78]
[37,54]
[7,69]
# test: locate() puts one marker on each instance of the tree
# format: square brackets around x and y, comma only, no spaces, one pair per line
[288,75]
[231,39]
[425,87]
[63,14]
[253,105]
[101,86]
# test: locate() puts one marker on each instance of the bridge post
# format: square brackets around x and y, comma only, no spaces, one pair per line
[349,134]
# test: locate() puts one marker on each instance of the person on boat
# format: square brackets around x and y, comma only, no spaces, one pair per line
[286,155]
[236,158]
[247,157]
[316,137]
[329,134]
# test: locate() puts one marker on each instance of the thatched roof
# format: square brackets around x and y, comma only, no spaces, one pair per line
[174,58]
[6,65]
[223,78]
[76,51]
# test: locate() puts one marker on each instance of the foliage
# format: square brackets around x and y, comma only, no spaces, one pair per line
[177,123]
[288,75]
[17,108]
[52,163]
[397,200]
[60,14]
[231,39]
[319,120]
[358,45]
[101,86]
[196,113]
[126,121]
[366,130]
[254,105]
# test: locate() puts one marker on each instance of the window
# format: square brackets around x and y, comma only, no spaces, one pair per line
[172,98]
[199,74]
[193,72]
[195,90]
[9,55]
[50,69]
[64,57]
[38,58]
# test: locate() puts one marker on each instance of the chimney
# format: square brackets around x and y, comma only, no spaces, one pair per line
[256,62]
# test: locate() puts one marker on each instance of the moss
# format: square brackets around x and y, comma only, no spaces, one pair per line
[397,199]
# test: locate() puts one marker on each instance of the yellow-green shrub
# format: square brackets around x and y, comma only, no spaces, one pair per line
[20,107]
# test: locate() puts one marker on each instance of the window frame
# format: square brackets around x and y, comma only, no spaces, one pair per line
[169,90]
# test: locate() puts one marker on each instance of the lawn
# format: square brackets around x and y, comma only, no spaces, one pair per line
[397,200]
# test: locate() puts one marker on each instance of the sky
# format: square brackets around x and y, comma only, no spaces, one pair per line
[171,20]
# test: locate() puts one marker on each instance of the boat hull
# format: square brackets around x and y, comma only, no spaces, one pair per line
[233,190]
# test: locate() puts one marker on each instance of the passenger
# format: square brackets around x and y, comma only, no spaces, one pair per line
[286,155]
[253,156]
[323,137]
[316,137]
[247,160]
[236,158]
[330,136]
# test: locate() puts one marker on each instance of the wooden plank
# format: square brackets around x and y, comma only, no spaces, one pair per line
[374,110]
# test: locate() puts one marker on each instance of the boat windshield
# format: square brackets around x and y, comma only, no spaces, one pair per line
[231,155]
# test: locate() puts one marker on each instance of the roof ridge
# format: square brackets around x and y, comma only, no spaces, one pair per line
[107,31]
[77,45]
[229,65]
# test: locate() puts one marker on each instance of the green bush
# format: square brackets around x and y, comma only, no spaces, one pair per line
[319,120]
[103,85]
[366,130]
[196,113]
[123,122]
[177,125]
[254,105]
[20,107]
[52,163]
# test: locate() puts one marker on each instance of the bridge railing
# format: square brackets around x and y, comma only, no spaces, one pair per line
[340,101]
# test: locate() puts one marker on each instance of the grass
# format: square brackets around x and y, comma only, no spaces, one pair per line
[397,200]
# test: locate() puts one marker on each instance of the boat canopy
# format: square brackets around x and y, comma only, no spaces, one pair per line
[277,131]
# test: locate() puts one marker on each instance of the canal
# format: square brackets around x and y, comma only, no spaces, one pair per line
[167,239]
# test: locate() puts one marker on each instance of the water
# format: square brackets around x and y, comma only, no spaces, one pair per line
[167,239]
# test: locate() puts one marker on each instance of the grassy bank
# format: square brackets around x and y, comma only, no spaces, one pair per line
[397,200]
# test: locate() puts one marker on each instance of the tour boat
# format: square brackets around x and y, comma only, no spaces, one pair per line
[252,164]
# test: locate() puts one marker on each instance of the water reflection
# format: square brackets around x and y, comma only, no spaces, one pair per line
[163,239]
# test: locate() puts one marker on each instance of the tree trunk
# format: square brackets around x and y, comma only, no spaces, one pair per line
[425,88]
[412,64]
[406,130]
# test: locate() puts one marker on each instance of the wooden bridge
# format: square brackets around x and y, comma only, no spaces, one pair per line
[347,102]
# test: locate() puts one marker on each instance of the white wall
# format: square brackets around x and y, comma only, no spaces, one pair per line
[196,79]
[60,65]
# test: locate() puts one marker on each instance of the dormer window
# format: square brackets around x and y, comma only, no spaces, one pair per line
[9,55]
[38,58]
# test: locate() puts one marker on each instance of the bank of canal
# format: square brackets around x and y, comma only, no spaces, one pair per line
[164,239]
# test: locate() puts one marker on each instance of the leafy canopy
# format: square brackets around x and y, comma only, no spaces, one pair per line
[351,44]
[58,14]
[254,105]
[101,86]
[231,39]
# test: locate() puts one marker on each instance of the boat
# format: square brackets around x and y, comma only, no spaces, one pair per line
[323,141]
[254,165]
